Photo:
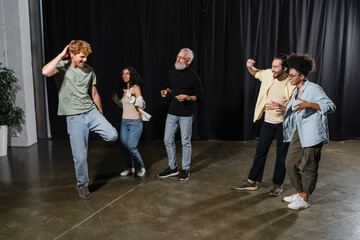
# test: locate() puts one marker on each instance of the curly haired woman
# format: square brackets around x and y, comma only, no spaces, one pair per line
[133,105]
[306,128]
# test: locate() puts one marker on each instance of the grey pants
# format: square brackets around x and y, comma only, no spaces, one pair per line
[302,180]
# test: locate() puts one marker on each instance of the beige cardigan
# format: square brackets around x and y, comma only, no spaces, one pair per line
[266,78]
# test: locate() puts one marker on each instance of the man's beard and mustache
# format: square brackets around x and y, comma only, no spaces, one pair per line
[278,74]
[180,66]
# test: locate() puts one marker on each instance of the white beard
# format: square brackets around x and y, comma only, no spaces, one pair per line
[180,67]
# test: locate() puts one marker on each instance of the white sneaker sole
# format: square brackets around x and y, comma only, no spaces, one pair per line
[130,173]
[299,208]
[247,189]
[289,201]
[127,175]
[276,195]
[183,179]
[170,175]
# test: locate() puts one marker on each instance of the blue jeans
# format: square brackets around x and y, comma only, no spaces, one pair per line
[172,125]
[267,134]
[78,127]
[130,134]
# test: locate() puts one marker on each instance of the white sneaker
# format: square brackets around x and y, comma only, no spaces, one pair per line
[127,172]
[292,198]
[141,172]
[298,204]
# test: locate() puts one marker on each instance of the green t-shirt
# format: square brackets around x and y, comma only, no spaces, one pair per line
[73,85]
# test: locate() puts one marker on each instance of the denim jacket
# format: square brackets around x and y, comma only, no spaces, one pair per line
[312,124]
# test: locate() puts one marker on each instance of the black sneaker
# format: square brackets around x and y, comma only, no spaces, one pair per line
[245,185]
[275,190]
[83,192]
[168,173]
[184,175]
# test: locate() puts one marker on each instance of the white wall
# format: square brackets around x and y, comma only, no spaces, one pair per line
[15,53]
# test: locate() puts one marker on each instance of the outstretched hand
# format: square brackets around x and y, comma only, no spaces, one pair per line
[273,105]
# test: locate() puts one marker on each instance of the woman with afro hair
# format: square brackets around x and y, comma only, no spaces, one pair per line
[133,105]
[306,128]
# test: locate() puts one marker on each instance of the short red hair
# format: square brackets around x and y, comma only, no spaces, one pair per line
[77,46]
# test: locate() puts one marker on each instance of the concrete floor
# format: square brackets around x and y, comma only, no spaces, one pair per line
[38,199]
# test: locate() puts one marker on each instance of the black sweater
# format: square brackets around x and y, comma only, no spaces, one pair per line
[184,82]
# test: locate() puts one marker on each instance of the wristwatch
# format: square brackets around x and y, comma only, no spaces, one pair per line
[188,98]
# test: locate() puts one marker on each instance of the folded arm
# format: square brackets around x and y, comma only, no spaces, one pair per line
[135,97]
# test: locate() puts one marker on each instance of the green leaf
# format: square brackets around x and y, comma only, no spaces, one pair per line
[10,115]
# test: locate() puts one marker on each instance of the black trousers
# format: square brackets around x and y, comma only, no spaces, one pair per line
[268,133]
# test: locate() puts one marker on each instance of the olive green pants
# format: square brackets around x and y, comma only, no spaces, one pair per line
[303,180]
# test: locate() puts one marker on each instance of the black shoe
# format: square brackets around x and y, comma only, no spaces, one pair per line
[275,190]
[83,192]
[168,173]
[185,174]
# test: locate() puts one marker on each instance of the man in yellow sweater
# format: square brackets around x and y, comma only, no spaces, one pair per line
[275,88]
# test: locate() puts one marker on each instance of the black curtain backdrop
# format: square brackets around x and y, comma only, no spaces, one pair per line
[223,34]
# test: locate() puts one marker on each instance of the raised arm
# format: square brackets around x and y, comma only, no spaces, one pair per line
[250,66]
[50,68]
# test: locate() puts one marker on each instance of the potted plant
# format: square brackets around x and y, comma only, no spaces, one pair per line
[10,115]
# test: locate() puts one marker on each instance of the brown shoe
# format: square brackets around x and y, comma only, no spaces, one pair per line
[83,192]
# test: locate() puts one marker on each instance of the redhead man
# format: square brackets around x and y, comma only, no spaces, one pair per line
[74,79]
